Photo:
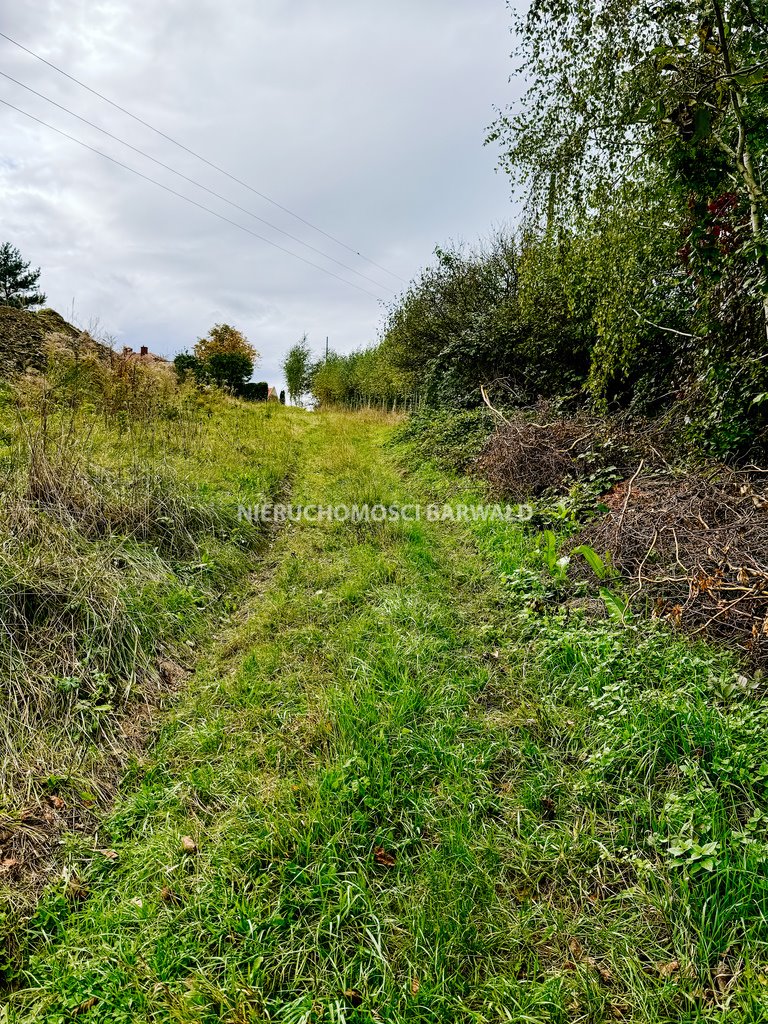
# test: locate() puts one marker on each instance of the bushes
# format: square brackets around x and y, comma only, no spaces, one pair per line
[450,439]
[255,392]
[365,378]
[496,316]
[618,313]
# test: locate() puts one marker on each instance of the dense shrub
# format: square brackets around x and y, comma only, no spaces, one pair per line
[451,439]
[254,391]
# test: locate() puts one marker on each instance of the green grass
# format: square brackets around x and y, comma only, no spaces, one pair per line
[420,792]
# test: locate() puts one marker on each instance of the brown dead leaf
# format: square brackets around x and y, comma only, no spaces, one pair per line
[579,955]
[75,889]
[8,864]
[668,969]
[382,856]
[353,997]
[167,895]
[86,1006]
[605,973]
[109,854]
[547,808]
[57,802]
[726,975]
[415,986]
[188,844]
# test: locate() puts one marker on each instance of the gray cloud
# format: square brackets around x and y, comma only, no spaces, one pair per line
[367,119]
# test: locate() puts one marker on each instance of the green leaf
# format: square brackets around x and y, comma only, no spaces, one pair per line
[617,607]
[702,124]
[595,562]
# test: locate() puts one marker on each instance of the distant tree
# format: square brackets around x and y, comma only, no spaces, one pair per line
[18,284]
[229,369]
[186,365]
[296,369]
[226,357]
[223,339]
[331,380]
[282,398]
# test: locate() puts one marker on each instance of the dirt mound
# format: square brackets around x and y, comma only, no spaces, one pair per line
[22,338]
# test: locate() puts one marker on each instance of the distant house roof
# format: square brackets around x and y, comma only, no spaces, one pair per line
[272,395]
[143,355]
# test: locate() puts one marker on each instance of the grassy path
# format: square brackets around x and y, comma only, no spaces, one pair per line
[373,805]
[336,787]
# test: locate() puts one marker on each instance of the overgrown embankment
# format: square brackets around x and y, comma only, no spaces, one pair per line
[24,335]
[120,551]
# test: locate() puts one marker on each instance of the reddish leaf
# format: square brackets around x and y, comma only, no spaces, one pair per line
[382,856]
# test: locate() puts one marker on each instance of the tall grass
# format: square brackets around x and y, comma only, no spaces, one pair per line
[119,544]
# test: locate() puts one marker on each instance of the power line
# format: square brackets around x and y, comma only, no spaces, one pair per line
[199,156]
[187,199]
[194,181]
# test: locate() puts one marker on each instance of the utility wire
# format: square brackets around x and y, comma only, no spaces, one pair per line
[199,156]
[193,181]
[187,199]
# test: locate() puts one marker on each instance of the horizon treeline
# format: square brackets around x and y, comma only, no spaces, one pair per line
[638,276]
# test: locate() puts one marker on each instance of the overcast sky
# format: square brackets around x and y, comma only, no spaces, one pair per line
[365,118]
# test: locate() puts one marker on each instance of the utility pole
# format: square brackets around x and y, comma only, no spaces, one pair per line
[326,348]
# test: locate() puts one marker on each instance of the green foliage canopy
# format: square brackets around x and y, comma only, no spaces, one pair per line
[18,284]
[297,369]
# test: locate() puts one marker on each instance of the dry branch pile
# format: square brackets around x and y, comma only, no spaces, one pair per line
[524,458]
[538,450]
[691,547]
[695,549]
